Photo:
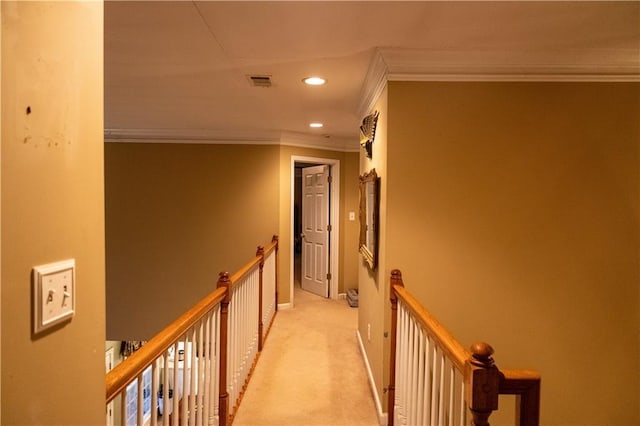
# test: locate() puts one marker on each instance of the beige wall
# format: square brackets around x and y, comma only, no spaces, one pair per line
[348,229]
[177,215]
[512,210]
[52,208]
[373,292]
[0,217]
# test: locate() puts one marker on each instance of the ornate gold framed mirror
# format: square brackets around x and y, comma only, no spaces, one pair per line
[369,212]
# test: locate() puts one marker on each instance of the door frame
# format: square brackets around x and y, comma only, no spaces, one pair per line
[334,216]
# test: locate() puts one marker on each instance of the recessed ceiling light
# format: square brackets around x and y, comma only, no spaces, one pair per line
[316,125]
[314,81]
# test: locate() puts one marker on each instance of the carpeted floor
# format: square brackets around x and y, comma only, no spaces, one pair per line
[311,370]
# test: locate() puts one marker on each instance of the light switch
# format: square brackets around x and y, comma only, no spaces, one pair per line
[54,298]
[352,216]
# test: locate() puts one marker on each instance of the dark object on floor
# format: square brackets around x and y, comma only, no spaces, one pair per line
[352,297]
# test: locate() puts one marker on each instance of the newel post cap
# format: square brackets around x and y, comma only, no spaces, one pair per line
[260,254]
[481,354]
[225,281]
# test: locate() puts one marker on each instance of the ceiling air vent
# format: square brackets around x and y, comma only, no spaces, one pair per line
[260,80]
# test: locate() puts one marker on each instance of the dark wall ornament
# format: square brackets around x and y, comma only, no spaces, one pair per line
[368,132]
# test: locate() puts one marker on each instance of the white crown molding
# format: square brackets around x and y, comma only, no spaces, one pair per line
[218,137]
[588,65]
[319,142]
[373,85]
[191,136]
[550,65]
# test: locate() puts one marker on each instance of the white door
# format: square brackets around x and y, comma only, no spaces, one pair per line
[315,229]
[108,367]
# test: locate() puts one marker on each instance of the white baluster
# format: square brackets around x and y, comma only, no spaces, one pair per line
[200,377]
[185,381]
[463,404]
[193,365]
[140,410]
[177,392]
[452,373]
[165,389]
[428,378]
[155,373]
[242,346]
[399,366]
[413,366]
[420,377]
[402,364]
[216,356]
[434,385]
[123,406]
[441,393]
[206,371]
[233,334]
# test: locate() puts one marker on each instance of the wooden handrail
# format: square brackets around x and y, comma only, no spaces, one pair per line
[484,380]
[118,378]
[248,267]
[525,384]
[244,271]
[454,350]
[271,246]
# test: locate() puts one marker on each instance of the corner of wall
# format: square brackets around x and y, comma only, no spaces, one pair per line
[373,293]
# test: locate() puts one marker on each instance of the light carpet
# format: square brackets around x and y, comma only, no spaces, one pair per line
[311,371]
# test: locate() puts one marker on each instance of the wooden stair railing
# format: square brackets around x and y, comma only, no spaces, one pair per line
[201,354]
[252,303]
[434,380]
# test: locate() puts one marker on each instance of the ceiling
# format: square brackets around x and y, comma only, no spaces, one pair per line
[177,71]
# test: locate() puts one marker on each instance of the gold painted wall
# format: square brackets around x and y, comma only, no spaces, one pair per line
[177,215]
[373,292]
[52,208]
[513,212]
[349,237]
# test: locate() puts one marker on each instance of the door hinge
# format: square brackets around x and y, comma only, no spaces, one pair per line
[329,228]
[329,179]
[329,276]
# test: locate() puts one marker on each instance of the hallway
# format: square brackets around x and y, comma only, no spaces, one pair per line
[311,371]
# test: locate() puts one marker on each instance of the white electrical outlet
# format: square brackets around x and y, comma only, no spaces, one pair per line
[54,298]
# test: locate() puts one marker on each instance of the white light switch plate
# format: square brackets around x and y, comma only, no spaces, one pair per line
[352,216]
[54,298]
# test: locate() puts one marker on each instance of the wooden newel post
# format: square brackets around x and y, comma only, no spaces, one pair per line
[396,280]
[276,240]
[260,253]
[483,383]
[224,281]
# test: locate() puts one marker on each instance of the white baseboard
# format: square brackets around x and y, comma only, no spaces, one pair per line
[342,295]
[284,306]
[382,417]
